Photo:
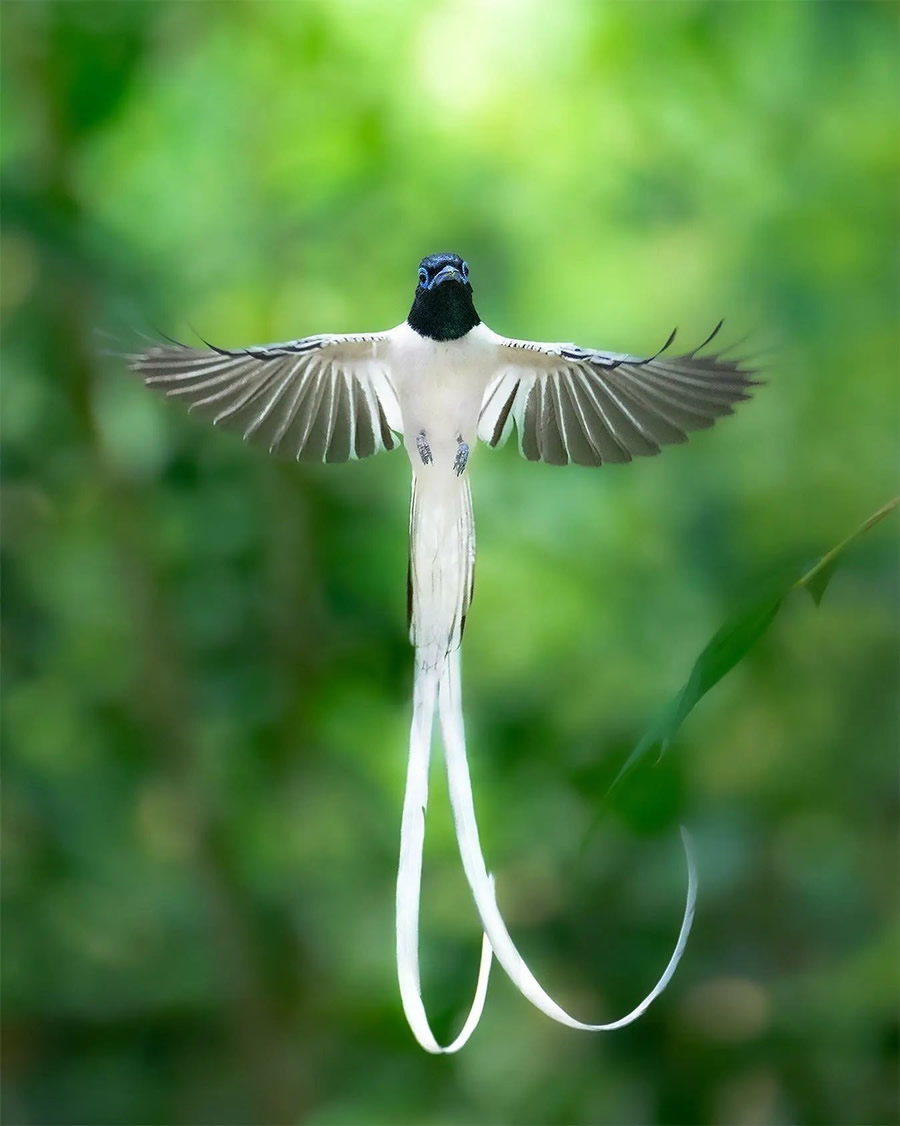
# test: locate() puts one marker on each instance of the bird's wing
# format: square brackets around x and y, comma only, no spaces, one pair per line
[322,398]
[578,405]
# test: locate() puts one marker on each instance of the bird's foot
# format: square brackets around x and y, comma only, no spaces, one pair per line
[424,449]
[462,457]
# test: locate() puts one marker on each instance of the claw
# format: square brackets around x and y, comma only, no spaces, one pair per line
[423,448]
[462,457]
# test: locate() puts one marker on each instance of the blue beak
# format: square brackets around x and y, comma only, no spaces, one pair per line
[449,273]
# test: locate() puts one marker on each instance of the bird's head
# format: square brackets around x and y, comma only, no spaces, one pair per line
[442,308]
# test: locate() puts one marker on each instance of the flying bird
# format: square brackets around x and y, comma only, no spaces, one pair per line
[439,380]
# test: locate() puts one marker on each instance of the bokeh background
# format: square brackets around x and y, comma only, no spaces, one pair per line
[206,672]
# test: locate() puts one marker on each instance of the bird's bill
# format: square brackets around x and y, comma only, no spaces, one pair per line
[449,273]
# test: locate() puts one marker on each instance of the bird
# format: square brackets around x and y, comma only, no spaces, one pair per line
[438,382]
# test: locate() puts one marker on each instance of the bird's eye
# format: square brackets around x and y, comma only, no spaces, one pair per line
[465,270]
[423,276]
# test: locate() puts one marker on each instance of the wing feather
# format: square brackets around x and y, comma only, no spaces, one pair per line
[687,411]
[578,439]
[365,425]
[339,446]
[551,437]
[572,404]
[323,398]
[529,427]
[654,418]
[606,438]
[298,425]
[602,439]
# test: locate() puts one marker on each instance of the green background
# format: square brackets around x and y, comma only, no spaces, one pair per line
[206,672]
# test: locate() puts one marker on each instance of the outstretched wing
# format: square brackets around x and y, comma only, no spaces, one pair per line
[578,405]
[322,398]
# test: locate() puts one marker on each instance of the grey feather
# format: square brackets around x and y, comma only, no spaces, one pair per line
[580,405]
[321,398]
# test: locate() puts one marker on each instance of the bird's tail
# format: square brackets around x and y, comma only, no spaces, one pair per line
[409,875]
[441,562]
[442,550]
[482,884]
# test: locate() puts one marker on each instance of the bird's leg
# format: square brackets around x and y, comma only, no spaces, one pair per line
[462,456]
[423,448]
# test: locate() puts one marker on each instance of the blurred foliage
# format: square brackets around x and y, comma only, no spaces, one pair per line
[206,673]
[735,639]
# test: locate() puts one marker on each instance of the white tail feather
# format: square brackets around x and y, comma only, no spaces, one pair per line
[450,708]
[442,561]
[442,553]
[409,876]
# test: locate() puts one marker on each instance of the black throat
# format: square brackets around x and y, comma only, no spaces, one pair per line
[445,312]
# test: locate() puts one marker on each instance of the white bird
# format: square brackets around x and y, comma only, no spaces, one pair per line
[439,379]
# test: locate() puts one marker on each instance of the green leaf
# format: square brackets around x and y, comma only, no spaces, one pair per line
[818,577]
[817,584]
[732,642]
[735,639]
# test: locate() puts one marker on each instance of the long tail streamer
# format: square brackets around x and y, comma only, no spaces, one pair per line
[482,885]
[442,552]
[409,877]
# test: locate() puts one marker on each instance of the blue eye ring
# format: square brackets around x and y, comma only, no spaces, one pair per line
[423,275]
[465,271]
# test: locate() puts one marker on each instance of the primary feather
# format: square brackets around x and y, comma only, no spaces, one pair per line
[580,405]
[322,398]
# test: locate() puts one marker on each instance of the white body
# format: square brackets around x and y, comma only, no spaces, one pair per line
[439,387]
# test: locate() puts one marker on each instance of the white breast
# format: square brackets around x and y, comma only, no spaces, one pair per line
[440,386]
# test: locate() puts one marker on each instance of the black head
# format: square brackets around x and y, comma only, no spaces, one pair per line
[442,308]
